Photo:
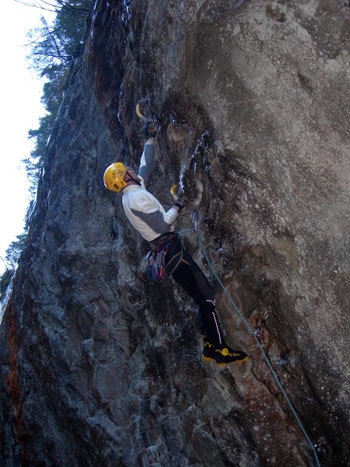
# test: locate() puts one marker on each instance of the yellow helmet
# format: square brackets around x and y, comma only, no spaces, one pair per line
[113,177]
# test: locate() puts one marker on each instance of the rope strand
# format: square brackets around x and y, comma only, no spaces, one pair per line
[253,334]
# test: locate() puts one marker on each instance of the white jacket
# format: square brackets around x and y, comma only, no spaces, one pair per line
[143,210]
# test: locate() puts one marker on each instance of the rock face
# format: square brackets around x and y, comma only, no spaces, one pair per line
[101,367]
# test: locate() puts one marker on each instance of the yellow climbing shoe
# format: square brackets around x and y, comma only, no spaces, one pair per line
[222,354]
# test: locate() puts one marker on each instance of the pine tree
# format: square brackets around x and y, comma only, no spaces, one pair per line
[54,48]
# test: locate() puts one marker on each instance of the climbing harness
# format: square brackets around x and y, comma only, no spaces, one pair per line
[255,337]
[155,269]
[173,263]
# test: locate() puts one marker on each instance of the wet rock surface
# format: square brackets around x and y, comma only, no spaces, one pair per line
[99,366]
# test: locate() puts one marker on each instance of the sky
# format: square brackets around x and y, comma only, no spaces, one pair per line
[20,110]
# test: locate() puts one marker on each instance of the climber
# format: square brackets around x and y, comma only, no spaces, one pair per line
[156,225]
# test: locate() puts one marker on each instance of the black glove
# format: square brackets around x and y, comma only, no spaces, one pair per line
[178,204]
[150,129]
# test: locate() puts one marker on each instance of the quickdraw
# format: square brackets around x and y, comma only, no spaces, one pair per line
[155,269]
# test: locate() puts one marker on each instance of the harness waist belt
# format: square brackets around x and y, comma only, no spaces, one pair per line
[163,239]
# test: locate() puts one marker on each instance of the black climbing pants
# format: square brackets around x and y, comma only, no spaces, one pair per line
[188,275]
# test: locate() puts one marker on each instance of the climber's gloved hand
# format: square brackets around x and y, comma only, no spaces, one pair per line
[150,129]
[178,204]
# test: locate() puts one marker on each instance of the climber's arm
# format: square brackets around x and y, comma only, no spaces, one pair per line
[147,160]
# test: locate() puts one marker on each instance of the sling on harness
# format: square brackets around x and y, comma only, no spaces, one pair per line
[163,259]
[155,269]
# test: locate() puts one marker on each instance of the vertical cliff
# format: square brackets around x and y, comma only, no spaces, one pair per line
[100,366]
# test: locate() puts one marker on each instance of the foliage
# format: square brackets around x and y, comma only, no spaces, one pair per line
[54,48]
[55,6]
[14,250]
[5,280]
[13,253]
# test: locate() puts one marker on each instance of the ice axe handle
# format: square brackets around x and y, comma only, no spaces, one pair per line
[173,191]
[139,113]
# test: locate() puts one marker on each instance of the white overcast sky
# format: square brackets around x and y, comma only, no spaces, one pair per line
[20,109]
